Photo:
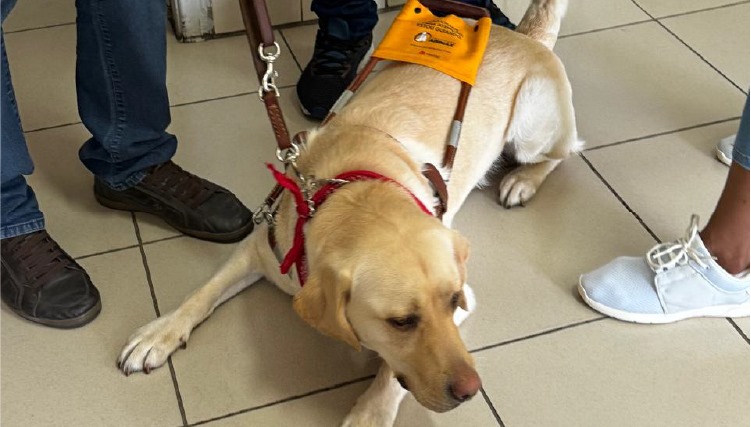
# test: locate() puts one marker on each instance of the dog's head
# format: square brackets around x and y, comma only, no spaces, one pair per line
[393,284]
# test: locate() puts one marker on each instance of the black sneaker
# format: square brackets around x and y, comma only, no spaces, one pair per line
[329,72]
[42,283]
[188,203]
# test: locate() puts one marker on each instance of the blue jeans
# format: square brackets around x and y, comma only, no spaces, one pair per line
[741,147]
[122,100]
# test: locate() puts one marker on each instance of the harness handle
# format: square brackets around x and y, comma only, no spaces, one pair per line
[461,10]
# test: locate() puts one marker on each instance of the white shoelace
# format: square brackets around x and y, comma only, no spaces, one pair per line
[666,256]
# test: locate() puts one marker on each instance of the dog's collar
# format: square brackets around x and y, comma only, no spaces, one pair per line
[306,208]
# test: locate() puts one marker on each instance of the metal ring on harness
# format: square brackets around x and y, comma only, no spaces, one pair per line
[288,155]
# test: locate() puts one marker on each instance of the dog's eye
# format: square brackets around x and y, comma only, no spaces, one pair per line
[404,323]
[455,300]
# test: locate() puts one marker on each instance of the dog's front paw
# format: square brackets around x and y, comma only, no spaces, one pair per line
[150,346]
[517,189]
[369,417]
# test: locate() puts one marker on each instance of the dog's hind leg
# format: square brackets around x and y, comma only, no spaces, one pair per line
[378,406]
[151,345]
[543,131]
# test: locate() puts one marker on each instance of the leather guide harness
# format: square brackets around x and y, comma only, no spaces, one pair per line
[312,192]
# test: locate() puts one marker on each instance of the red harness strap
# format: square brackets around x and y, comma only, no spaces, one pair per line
[296,254]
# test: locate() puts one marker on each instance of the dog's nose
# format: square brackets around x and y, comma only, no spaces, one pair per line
[466,383]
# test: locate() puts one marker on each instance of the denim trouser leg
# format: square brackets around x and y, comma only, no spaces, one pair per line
[346,19]
[19,209]
[122,93]
[741,147]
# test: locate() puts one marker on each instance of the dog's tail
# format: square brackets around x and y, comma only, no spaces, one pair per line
[543,21]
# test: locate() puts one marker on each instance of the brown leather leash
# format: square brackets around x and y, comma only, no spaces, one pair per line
[260,33]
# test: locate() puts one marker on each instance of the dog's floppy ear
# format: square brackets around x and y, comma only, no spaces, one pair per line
[322,303]
[461,254]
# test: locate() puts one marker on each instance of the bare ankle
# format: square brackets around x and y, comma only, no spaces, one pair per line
[731,256]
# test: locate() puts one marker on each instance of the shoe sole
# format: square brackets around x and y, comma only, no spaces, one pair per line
[743,310]
[722,157]
[73,323]
[231,237]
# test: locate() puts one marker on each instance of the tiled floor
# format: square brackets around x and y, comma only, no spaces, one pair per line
[656,84]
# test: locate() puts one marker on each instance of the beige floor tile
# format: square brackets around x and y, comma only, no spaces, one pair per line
[254,349]
[331,407]
[583,15]
[609,373]
[228,141]
[660,8]
[40,13]
[46,94]
[667,178]
[475,413]
[55,377]
[44,82]
[64,189]
[639,80]
[727,49]
[743,323]
[219,67]
[525,262]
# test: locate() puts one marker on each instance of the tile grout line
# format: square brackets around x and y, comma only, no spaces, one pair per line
[123,248]
[291,52]
[178,395]
[537,334]
[689,47]
[368,377]
[620,199]
[692,12]
[492,407]
[669,132]
[110,251]
[281,401]
[24,30]
[598,30]
[738,329]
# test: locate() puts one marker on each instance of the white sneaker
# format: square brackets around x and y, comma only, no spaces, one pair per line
[724,150]
[675,281]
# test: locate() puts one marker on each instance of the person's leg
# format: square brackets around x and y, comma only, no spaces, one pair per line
[727,232]
[343,40]
[121,76]
[40,282]
[20,211]
[122,99]
[346,19]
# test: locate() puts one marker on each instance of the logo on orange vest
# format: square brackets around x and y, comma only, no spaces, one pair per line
[422,37]
[427,37]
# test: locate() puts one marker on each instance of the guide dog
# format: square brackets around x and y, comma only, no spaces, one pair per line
[383,274]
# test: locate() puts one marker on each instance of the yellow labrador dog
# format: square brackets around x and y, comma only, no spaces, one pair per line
[382,273]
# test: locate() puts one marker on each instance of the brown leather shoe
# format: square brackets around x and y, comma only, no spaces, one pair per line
[42,283]
[188,203]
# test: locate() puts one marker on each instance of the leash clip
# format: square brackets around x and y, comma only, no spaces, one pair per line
[268,82]
[264,213]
